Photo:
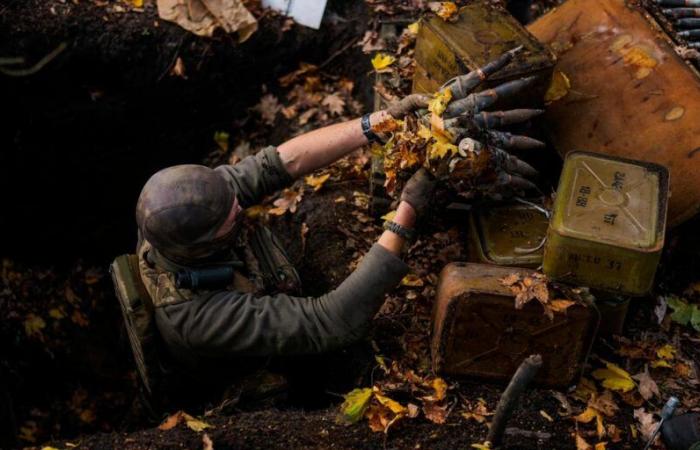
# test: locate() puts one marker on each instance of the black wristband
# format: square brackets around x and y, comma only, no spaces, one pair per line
[399,230]
[367,129]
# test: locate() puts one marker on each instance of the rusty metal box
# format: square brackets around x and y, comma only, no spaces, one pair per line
[508,234]
[482,32]
[608,224]
[478,332]
[630,93]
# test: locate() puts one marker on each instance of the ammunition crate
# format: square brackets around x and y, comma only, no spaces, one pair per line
[608,224]
[482,32]
[631,94]
[509,234]
[478,332]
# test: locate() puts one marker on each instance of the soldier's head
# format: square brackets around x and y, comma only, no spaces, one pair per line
[187,212]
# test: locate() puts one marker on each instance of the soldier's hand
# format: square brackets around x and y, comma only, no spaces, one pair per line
[407,105]
[419,190]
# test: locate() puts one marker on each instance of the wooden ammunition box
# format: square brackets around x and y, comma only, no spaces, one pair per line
[631,95]
[509,234]
[478,332]
[482,32]
[608,224]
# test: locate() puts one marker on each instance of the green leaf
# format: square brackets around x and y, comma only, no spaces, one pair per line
[695,318]
[355,405]
[682,312]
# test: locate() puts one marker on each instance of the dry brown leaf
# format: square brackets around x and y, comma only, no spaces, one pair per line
[288,201]
[268,107]
[335,104]
[647,424]
[435,412]
[647,386]
[207,443]
[178,69]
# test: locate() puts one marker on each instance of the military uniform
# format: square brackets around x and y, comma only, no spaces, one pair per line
[221,325]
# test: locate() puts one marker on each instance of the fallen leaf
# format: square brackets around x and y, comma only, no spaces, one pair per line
[647,424]
[647,386]
[588,415]
[613,377]
[485,446]
[207,443]
[544,414]
[178,69]
[435,412]
[447,11]
[137,3]
[355,405]
[317,182]
[684,313]
[221,138]
[666,352]
[335,104]
[561,305]
[411,280]
[268,107]
[581,443]
[558,88]
[382,61]
[33,325]
[414,27]
[288,201]
[182,417]
[438,104]
[478,412]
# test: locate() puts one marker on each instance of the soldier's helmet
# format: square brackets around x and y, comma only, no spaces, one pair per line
[180,210]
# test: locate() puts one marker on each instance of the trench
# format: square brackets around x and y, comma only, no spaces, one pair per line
[78,140]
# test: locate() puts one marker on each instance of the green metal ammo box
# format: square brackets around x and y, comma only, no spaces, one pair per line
[607,228]
[510,234]
[482,32]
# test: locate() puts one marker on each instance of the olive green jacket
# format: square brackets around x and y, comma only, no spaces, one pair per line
[205,325]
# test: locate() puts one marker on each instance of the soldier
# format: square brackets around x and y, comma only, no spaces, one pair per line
[188,219]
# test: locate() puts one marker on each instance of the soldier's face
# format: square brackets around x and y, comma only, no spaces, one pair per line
[227,226]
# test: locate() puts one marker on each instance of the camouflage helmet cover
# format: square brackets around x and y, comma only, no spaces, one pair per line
[180,210]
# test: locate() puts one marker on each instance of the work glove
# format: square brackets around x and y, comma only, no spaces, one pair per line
[685,14]
[419,191]
[407,105]
[483,163]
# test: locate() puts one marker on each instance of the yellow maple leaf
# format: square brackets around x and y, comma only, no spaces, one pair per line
[389,216]
[558,88]
[615,378]
[414,27]
[588,415]
[411,280]
[317,182]
[485,446]
[440,388]
[666,352]
[33,324]
[600,446]
[382,61]
[393,405]
[447,11]
[438,104]
[137,3]
[355,405]
[660,363]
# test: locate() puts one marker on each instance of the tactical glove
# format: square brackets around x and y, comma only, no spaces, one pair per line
[407,105]
[419,190]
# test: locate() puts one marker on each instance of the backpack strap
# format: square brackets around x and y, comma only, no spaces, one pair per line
[137,309]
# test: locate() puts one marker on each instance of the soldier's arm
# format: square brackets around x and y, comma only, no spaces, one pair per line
[233,324]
